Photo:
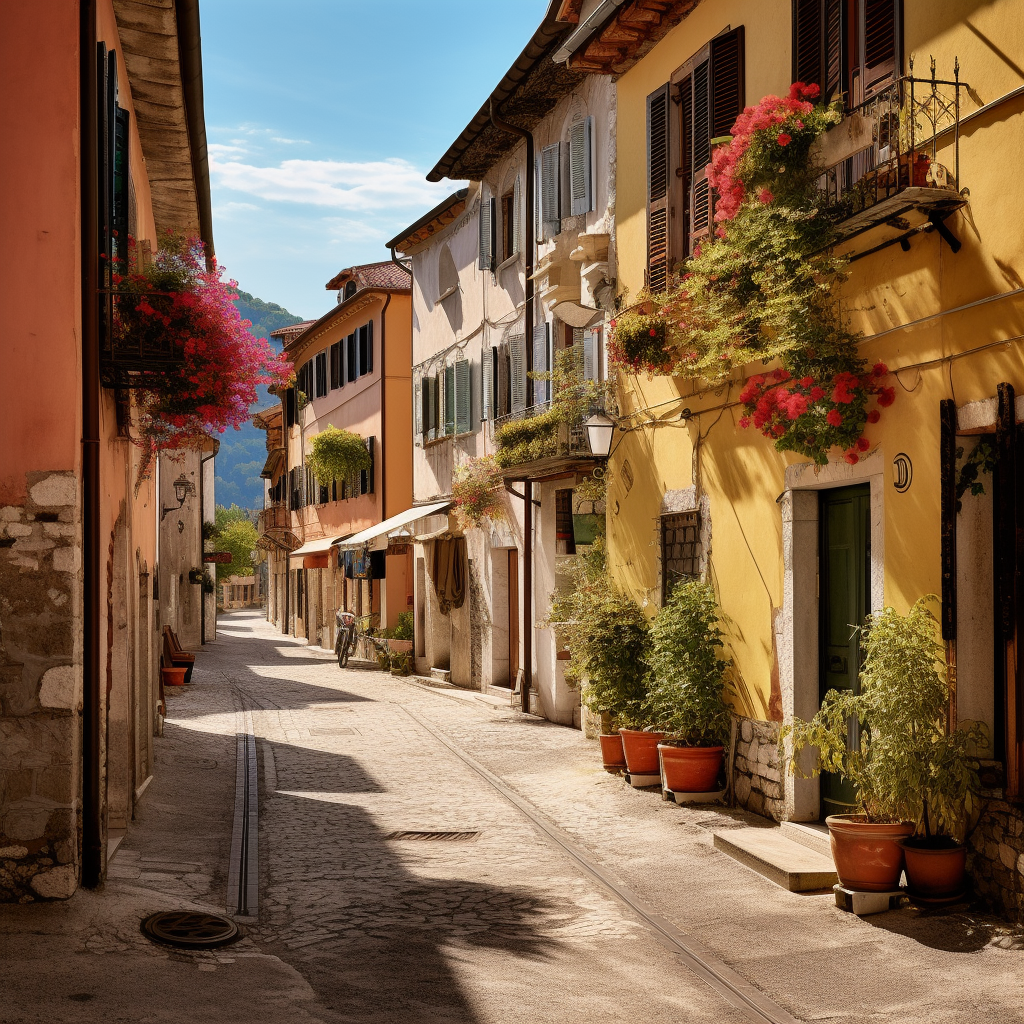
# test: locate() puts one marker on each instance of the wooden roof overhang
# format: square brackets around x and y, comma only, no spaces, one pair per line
[430,223]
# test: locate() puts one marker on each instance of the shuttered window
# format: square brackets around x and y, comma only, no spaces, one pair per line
[488,240]
[517,214]
[541,362]
[122,177]
[824,52]
[351,357]
[320,374]
[657,188]
[517,372]
[366,476]
[428,413]
[365,345]
[580,166]
[591,353]
[463,397]
[336,366]
[449,400]
[417,413]
[550,193]
[488,362]
[503,381]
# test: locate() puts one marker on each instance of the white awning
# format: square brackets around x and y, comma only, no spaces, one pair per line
[381,530]
[313,547]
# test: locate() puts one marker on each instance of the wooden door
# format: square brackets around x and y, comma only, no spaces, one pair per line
[845,600]
[513,616]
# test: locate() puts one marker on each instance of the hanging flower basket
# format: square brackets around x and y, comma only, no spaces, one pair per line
[337,454]
[477,492]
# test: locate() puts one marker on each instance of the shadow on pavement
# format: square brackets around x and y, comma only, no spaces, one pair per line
[953,931]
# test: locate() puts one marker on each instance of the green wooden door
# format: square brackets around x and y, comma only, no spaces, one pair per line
[845,599]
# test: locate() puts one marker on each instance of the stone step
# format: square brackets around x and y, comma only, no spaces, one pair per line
[811,834]
[443,675]
[768,852]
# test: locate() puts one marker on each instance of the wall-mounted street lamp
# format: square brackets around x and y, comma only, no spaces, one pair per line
[181,490]
[600,428]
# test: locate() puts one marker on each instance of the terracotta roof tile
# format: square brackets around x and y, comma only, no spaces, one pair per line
[370,275]
[283,332]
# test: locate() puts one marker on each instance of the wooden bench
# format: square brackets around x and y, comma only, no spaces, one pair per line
[175,656]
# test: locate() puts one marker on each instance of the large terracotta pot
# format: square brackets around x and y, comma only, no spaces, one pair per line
[641,750]
[173,676]
[690,769]
[612,754]
[935,870]
[867,854]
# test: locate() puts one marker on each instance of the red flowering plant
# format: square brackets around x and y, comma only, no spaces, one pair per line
[637,342]
[477,492]
[177,305]
[764,285]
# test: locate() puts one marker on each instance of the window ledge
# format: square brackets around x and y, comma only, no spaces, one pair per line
[514,258]
[448,437]
[444,295]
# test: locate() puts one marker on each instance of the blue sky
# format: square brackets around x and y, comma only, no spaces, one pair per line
[324,116]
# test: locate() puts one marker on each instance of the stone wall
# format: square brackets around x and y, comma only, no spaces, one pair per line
[995,858]
[40,690]
[756,773]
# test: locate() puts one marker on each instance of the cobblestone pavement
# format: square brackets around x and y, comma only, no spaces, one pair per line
[359,920]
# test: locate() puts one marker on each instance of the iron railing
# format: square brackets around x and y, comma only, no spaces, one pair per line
[137,359]
[273,517]
[910,122]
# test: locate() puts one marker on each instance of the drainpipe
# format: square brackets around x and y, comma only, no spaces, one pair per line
[529,254]
[383,445]
[92,825]
[398,263]
[286,437]
[202,548]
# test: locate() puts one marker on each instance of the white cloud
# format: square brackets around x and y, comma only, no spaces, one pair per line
[372,185]
[216,149]
[290,142]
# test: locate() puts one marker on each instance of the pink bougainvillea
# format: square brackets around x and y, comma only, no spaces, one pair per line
[211,364]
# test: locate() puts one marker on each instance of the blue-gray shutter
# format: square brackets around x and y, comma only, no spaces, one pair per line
[549,190]
[449,399]
[487,230]
[590,353]
[430,408]
[541,388]
[580,166]
[517,214]
[487,383]
[463,398]
[417,413]
[516,346]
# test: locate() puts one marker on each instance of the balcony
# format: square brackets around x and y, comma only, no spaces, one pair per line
[894,164]
[130,359]
[274,526]
[535,443]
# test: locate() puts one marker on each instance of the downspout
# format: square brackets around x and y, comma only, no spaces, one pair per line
[383,445]
[92,825]
[286,435]
[398,263]
[528,256]
[202,547]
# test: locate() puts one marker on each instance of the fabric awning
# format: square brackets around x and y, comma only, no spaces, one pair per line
[273,459]
[364,537]
[313,547]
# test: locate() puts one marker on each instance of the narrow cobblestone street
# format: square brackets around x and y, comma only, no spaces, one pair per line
[497,922]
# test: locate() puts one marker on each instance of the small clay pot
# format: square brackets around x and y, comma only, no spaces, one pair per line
[641,749]
[867,854]
[612,754]
[690,769]
[936,867]
[173,676]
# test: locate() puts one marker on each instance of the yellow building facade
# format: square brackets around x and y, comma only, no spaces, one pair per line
[949,324]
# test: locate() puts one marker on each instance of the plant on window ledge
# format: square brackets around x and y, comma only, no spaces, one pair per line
[184,307]
[477,492]
[638,342]
[764,287]
[337,454]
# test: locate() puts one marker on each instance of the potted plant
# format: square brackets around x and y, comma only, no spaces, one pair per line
[606,634]
[688,691]
[912,774]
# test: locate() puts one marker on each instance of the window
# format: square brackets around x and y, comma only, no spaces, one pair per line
[542,362]
[304,379]
[429,408]
[320,374]
[366,475]
[447,274]
[350,289]
[517,372]
[350,358]
[549,191]
[581,192]
[488,238]
[365,334]
[488,382]
[563,522]
[700,103]
[511,217]
[851,47]
[680,550]
[337,367]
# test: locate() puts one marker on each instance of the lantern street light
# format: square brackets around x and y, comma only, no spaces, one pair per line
[181,490]
[600,428]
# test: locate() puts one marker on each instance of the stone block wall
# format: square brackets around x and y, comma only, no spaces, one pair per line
[40,690]
[995,858]
[756,771]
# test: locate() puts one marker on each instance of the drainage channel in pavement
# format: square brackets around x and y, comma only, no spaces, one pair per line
[751,1001]
[243,871]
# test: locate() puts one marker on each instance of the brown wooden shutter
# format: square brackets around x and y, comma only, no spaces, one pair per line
[808,33]
[700,150]
[727,81]
[880,44]
[658,188]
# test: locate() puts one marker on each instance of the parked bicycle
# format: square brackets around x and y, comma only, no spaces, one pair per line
[348,634]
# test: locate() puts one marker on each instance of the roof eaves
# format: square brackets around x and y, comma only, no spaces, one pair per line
[339,312]
[448,206]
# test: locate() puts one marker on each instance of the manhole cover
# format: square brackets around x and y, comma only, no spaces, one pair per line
[190,930]
[450,837]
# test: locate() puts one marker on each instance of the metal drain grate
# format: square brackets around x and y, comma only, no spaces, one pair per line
[189,930]
[438,837]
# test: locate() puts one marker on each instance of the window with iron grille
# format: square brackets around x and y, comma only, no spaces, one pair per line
[563,519]
[680,550]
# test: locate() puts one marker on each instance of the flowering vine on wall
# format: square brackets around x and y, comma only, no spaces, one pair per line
[764,287]
[178,305]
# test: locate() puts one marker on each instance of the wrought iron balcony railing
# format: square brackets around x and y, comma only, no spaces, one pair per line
[133,358]
[910,160]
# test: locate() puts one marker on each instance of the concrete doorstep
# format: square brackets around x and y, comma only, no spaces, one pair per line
[793,865]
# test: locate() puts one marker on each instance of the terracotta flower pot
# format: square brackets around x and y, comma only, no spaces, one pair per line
[690,769]
[867,854]
[173,676]
[612,754]
[935,869]
[641,749]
